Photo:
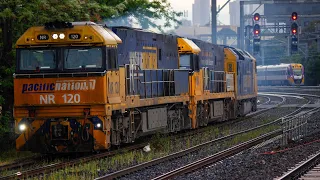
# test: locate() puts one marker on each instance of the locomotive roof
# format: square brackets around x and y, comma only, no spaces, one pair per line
[62,34]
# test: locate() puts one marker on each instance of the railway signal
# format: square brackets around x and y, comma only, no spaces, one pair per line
[256,17]
[256,44]
[256,33]
[294,32]
[256,30]
[294,43]
[294,28]
[294,16]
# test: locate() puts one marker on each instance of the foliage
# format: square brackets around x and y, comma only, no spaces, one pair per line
[145,12]
[18,15]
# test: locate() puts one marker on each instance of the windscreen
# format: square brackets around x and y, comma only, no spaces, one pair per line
[297,72]
[78,58]
[37,59]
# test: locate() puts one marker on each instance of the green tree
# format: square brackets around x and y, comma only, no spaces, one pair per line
[17,15]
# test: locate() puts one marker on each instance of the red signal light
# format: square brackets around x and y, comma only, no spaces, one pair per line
[256,17]
[256,32]
[294,31]
[294,16]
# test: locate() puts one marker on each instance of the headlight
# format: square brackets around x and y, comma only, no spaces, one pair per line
[61,36]
[98,125]
[22,127]
[55,36]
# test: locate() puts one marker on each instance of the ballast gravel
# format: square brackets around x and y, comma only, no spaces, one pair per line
[262,163]
[164,167]
[181,144]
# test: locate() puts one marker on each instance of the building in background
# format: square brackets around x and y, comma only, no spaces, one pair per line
[234,11]
[201,12]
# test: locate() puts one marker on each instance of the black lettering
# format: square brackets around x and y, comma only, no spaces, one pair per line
[40,88]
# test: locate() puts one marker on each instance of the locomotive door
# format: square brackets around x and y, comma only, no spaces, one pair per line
[132,73]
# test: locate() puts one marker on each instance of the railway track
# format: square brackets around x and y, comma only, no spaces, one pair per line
[197,164]
[308,170]
[53,167]
[219,156]
[19,163]
[266,102]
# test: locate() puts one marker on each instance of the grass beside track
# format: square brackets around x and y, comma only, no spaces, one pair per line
[12,155]
[160,146]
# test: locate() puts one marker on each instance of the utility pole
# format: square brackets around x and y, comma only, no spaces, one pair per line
[241,25]
[318,37]
[289,46]
[238,37]
[318,43]
[214,21]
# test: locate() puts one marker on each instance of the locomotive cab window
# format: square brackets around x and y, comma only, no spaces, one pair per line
[36,59]
[185,61]
[83,58]
[189,61]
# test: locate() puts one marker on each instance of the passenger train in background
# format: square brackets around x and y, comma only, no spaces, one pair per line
[84,87]
[282,74]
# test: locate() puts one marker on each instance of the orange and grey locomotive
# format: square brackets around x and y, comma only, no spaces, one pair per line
[84,87]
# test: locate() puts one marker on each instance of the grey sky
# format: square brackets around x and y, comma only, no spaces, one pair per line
[181,5]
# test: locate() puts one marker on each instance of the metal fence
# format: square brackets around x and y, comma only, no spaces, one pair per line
[298,126]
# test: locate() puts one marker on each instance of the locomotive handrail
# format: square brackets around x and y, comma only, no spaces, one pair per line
[57,74]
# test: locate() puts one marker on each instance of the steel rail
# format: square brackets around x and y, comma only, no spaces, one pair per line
[56,166]
[269,99]
[262,111]
[174,155]
[227,153]
[218,156]
[302,168]
[19,163]
[44,169]
[192,149]
[300,108]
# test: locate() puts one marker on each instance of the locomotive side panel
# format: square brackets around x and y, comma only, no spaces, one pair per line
[147,50]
